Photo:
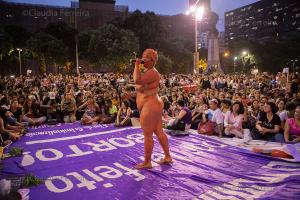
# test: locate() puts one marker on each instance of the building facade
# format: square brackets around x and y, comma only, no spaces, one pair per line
[90,14]
[262,20]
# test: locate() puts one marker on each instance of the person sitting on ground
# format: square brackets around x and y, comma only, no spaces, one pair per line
[123,116]
[225,106]
[234,119]
[288,112]
[198,112]
[15,115]
[5,133]
[79,101]
[31,112]
[268,124]
[16,110]
[184,119]
[291,129]
[68,108]
[91,110]
[53,108]
[110,113]
[217,116]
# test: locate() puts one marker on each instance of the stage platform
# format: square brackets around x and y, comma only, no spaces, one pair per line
[97,162]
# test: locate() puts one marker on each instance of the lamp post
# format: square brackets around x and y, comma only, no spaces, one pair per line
[244,53]
[198,12]
[294,61]
[76,42]
[20,63]
[234,63]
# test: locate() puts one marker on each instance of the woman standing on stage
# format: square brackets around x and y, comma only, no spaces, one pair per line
[150,107]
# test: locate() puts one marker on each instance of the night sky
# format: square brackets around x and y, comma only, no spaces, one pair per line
[168,7]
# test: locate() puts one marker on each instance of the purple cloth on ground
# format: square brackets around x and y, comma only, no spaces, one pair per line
[96,162]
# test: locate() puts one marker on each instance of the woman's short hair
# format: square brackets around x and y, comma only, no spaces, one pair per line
[181,103]
[273,107]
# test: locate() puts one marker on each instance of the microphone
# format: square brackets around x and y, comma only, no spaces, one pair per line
[134,61]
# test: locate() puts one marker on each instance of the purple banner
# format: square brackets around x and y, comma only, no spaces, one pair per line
[97,162]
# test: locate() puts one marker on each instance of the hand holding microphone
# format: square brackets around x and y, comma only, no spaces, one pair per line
[137,61]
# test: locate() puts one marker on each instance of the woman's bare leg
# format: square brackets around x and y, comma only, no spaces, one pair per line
[147,124]
[163,140]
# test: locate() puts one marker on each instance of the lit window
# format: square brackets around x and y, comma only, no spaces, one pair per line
[231,38]
[260,10]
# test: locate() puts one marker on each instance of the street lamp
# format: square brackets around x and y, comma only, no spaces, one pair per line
[198,12]
[294,61]
[234,63]
[226,54]
[20,50]
[244,53]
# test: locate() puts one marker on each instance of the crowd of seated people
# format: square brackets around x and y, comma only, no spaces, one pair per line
[263,107]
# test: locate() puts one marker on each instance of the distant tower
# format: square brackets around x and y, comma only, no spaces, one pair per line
[208,26]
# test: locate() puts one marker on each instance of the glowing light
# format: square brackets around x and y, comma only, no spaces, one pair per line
[192,8]
[199,13]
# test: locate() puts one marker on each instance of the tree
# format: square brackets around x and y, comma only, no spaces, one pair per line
[65,34]
[18,35]
[47,49]
[202,65]
[6,46]
[111,46]
[147,27]
[164,64]
[269,55]
[179,54]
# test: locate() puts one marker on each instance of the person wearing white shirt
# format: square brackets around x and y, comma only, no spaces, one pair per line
[234,119]
[217,116]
